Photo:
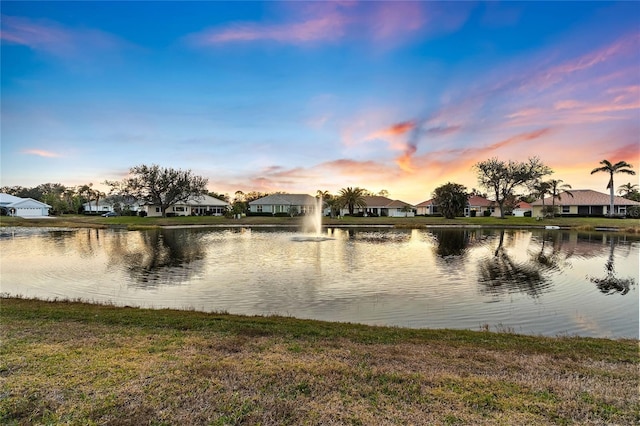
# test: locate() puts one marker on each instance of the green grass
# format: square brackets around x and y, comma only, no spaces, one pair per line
[67,362]
[133,222]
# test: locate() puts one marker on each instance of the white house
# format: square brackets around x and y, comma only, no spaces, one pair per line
[202,205]
[284,203]
[382,206]
[23,207]
[102,207]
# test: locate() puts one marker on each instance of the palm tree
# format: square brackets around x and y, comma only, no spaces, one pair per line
[540,189]
[352,198]
[627,188]
[619,167]
[556,187]
[334,204]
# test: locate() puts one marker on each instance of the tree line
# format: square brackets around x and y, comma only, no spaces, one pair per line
[165,186]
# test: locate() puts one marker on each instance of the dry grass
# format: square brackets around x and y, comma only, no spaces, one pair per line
[86,364]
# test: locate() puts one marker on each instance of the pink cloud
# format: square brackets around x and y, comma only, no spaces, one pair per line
[41,153]
[329,21]
[330,27]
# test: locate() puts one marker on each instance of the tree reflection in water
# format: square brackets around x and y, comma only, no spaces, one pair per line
[610,284]
[500,274]
[451,242]
[550,256]
[163,256]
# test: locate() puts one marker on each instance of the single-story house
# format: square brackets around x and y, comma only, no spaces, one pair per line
[102,207]
[23,207]
[585,202]
[522,208]
[426,208]
[202,205]
[284,203]
[382,206]
[476,206]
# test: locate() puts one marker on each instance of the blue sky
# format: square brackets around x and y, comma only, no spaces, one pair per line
[301,96]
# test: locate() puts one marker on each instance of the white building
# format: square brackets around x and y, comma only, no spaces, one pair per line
[202,205]
[23,207]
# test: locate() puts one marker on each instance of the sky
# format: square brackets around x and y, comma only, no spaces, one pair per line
[306,96]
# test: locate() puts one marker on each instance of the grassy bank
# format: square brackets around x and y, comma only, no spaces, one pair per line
[76,363]
[132,222]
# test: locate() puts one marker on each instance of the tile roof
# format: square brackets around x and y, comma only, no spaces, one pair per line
[586,197]
[476,200]
[398,203]
[285,199]
[425,203]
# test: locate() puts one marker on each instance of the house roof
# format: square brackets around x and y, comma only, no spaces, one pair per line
[586,197]
[398,203]
[378,201]
[285,199]
[206,200]
[477,201]
[523,205]
[7,200]
[425,203]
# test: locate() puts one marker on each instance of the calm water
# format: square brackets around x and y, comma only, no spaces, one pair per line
[532,282]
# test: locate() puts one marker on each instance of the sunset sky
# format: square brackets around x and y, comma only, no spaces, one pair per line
[302,96]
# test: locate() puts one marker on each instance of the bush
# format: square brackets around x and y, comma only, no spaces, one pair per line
[633,212]
[486,213]
[142,213]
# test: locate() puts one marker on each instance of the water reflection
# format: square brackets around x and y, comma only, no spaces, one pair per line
[159,256]
[538,282]
[501,273]
[610,283]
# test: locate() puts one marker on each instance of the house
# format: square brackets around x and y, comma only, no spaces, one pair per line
[201,205]
[426,208]
[382,206]
[23,207]
[290,204]
[102,207]
[522,208]
[476,206]
[585,202]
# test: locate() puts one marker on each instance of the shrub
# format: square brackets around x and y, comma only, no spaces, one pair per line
[633,211]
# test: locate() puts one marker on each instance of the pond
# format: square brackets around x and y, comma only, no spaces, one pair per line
[524,281]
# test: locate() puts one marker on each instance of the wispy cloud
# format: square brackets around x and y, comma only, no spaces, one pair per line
[329,21]
[41,153]
[55,39]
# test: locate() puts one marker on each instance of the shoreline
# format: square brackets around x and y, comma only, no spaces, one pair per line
[631,226]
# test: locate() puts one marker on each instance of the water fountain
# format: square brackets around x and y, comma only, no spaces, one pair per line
[313,222]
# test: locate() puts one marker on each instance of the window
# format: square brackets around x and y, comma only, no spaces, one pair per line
[178,209]
[157,209]
[566,209]
[259,208]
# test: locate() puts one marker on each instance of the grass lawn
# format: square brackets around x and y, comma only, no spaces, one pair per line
[75,363]
[133,222]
